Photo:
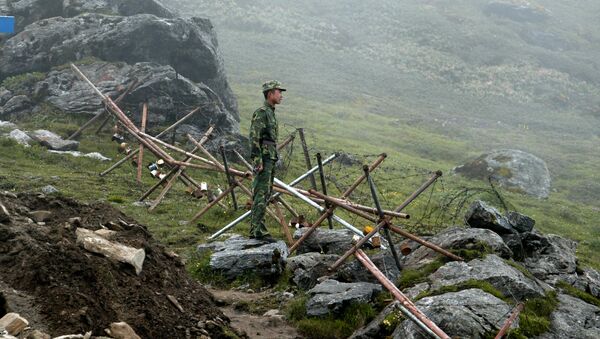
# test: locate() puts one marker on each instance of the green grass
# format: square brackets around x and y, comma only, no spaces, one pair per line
[471,283]
[534,320]
[411,277]
[577,293]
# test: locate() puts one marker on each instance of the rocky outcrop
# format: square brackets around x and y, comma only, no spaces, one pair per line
[156,84]
[574,318]
[457,238]
[189,45]
[505,278]
[480,215]
[239,255]
[354,271]
[513,169]
[550,257]
[470,313]
[332,296]
[323,240]
[53,141]
[29,11]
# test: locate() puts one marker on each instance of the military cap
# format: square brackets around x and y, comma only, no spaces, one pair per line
[272,84]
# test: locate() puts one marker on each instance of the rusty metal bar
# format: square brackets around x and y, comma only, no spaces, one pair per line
[228,175]
[361,241]
[344,206]
[313,183]
[329,211]
[247,214]
[381,217]
[407,307]
[323,185]
[513,315]
[434,247]
[134,152]
[175,169]
[141,152]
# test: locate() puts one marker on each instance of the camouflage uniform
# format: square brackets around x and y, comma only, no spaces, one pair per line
[263,150]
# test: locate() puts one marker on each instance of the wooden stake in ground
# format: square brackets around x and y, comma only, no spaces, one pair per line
[140,162]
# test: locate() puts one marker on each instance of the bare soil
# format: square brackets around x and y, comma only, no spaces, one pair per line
[63,289]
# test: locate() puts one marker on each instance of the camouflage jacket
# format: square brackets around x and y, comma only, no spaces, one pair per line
[264,128]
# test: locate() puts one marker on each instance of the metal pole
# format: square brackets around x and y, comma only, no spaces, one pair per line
[361,242]
[228,175]
[247,214]
[408,308]
[382,217]
[323,185]
[515,312]
[313,183]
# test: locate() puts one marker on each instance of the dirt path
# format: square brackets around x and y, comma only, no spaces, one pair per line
[255,325]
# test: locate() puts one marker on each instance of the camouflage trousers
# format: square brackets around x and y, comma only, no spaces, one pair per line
[261,192]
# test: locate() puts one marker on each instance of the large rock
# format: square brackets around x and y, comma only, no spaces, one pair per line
[470,313]
[550,257]
[29,11]
[574,318]
[332,296]
[239,255]
[53,141]
[481,215]
[158,85]
[457,238]
[308,267]
[354,271]
[15,106]
[190,45]
[505,278]
[324,240]
[589,281]
[513,169]
[520,222]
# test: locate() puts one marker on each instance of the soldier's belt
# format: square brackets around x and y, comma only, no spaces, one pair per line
[268,142]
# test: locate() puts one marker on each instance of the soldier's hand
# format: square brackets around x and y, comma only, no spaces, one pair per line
[258,168]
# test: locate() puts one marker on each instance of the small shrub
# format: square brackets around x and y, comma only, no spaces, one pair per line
[116,199]
[20,83]
[535,318]
[296,309]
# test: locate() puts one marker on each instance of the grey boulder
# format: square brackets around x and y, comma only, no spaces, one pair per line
[15,106]
[513,169]
[307,268]
[481,215]
[550,257]
[322,240]
[492,269]
[354,271]
[470,313]
[520,222]
[574,319]
[190,45]
[239,255]
[53,141]
[457,238]
[332,296]
[20,137]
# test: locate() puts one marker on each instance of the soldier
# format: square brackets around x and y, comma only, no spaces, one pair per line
[263,151]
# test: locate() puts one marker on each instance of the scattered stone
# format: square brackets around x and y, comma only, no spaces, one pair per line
[53,141]
[238,255]
[326,241]
[49,189]
[96,244]
[308,267]
[520,222]
[275,317]
[20,137]
[457,238]
[377,328]
[13,323]
[122,330]
[36,334]
[332,296]
[175,303]
[470,313]
[505,278]
[513,169]
[141,203]
[480,215]
[550,257]
[574,318]
[7,125]
[77,154]
[40,216]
